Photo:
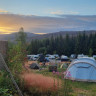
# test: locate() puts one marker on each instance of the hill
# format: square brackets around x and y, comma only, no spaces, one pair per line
[63,33]
[12,36]
[31,36]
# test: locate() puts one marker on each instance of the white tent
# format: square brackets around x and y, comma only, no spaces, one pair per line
[82,69]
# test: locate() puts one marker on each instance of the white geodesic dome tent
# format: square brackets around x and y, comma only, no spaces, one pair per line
[82,69]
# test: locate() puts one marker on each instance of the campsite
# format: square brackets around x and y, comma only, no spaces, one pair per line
[78,86]
[47,47]
[43,74]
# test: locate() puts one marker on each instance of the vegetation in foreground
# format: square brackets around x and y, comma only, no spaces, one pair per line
[32,84]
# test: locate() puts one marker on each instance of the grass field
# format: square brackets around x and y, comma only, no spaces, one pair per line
[78,88]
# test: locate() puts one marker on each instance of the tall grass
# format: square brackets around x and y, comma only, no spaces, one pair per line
[41,84]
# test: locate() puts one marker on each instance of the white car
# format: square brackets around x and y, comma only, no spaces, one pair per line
[80,56]
[51,57]
[64,57]
[35,57]
[56,55]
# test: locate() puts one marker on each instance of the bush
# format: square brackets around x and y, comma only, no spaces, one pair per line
[5,92]
[6,85]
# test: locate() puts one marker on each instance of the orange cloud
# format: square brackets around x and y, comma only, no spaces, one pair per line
[3,11]
[10,23]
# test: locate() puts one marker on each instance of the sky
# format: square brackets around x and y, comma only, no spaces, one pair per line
[47,16]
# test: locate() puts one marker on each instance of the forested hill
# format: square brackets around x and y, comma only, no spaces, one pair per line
[63,33]
[31,36]
[82,43]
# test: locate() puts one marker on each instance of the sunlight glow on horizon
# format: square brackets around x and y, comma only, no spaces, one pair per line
[40,33]
[9,30]
[6,30]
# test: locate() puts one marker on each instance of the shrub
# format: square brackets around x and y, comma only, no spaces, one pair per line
[6,85]
[5,92]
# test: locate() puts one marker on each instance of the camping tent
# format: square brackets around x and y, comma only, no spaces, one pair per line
[34,66]
[82,69]
[41,58]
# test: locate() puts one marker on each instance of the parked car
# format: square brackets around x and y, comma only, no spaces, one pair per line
[80,56]
[51,57]
[47,55]
[64,58]
[56,55]
[35,57]
[73,56]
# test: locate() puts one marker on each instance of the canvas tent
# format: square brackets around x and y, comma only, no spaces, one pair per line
[34,66]
[82,69]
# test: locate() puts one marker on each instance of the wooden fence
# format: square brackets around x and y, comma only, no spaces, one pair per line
[4,48]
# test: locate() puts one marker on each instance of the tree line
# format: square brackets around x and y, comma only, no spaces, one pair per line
[82,43]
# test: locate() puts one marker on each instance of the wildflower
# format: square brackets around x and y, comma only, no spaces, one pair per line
[65,72]
[67,75]
[53,72]
[57,73]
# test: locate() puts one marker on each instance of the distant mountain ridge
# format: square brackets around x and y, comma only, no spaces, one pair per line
[32,36]
[12,36]
[63,33]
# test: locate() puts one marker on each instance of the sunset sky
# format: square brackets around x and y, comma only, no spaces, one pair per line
[46,16]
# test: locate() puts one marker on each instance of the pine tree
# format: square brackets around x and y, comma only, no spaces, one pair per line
[90,52]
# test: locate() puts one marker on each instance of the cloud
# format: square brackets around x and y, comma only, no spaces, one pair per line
[3,11]
[39,24]
[72,13]
[6,30]
[60,12]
